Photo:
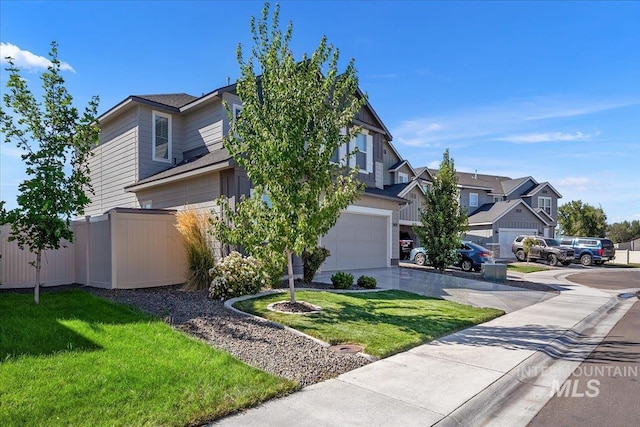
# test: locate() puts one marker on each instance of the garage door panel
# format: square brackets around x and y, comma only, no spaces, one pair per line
[506,237]
[357,241]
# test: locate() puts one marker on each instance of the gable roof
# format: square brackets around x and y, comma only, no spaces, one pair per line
[175,100]
[490,213]
[420,171]
[389,192]
[409,186]
[544,213]
[510,185]
[539,187]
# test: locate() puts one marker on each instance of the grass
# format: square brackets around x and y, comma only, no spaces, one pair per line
[384,323]
[81,360]
[526,268]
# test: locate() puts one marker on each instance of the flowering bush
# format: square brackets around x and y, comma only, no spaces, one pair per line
[236,275]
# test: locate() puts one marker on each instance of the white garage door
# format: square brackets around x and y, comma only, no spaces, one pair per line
[506,236]
[357,241]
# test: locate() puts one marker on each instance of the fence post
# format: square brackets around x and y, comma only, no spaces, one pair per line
[87,220]
[113,220]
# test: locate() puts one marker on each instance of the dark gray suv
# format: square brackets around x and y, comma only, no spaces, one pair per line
[546,249]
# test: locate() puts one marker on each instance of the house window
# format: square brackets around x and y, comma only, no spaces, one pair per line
[146,204]
[237,109]
[161,137]
[473,200]
[497,199]
[340,153]
[402,177]
[364,156]
[545,203]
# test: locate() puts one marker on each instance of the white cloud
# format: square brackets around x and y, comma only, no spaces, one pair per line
[531,138]
[13,152]
[517,118]
[579,183]
[27,60]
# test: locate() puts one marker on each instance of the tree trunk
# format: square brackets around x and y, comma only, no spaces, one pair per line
[292,292]
[36,289]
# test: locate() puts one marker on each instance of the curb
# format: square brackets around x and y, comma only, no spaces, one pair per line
[481,408]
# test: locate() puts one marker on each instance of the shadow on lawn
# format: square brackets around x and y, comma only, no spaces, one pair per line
[27,329]
[400,309]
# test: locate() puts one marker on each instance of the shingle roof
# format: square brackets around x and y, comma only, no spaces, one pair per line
[175,100]
[217,156]
[490,212]
[509,185]
[397,165]
[390,191]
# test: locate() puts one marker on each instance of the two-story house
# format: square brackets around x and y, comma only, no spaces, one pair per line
[166,151]
[500,208]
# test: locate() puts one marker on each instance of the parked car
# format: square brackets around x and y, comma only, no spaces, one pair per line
[471,256]
[405,248]
[590,250]
[546,249]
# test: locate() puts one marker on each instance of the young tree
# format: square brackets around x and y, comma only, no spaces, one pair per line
[527,244]
[443,219]
[293,112]
[581,219]
[54,136]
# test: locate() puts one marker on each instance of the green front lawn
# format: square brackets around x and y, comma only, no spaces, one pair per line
[526,268]
[81,360]
[384,323]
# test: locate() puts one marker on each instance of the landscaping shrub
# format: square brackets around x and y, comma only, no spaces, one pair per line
[367,282]
[342,280]
[312,261]
[235,276]
[192,225]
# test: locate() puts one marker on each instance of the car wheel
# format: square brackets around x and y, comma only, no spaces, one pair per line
[586,259]
[466,265]
[565,263]
[520,256]
[420,259]
[553,260]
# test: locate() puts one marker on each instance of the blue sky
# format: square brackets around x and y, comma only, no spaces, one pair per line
[547,89]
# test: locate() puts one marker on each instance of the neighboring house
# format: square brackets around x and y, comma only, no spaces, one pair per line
[500,208]
[166,152]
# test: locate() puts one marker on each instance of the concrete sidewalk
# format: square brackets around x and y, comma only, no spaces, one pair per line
[460,379]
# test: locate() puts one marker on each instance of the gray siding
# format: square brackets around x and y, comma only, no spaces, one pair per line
[520,217]
[389,159]
[113,165]
[148,166]
[483,198]
[545,192]
[204,127]
[199,192]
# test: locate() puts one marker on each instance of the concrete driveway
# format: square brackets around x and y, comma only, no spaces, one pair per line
[473,292]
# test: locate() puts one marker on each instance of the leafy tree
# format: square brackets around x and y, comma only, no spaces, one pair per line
[581,219]
[53,136]
[527,244]
[289,129]
[624,231]
[443,219]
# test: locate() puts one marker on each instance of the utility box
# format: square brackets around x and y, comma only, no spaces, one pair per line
[494,272]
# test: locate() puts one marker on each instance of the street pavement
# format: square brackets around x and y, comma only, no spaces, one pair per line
[605,389]
[499,373]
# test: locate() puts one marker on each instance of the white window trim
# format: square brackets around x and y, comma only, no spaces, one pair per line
[369,152]
[155,114]
[542,205]
[403,177]
[236,108]
[147,204]
[472,205]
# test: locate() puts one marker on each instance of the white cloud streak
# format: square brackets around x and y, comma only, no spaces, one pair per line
[508,121]
[27,60]
[532,138]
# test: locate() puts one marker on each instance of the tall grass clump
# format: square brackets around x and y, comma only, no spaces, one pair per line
[192,225]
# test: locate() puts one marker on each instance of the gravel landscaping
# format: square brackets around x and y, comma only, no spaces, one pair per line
[258,343]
